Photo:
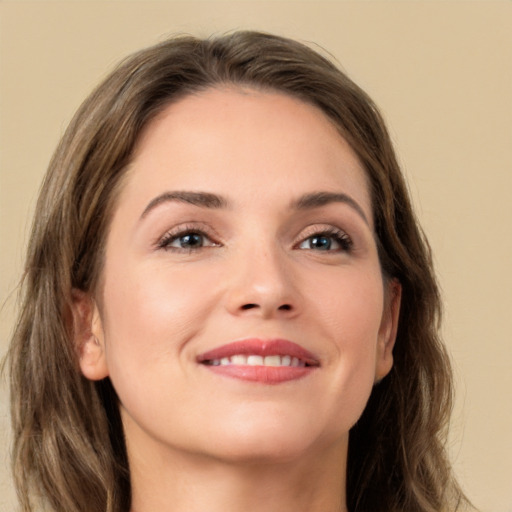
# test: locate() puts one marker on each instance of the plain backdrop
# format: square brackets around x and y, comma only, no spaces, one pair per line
[441,73]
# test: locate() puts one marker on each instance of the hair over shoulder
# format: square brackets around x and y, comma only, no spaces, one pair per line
[69,449]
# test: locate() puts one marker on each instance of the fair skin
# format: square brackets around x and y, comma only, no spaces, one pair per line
[255,252]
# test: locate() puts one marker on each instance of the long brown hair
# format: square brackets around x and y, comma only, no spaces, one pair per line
[69,448]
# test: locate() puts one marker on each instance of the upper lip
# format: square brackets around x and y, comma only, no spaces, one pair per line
[260,347]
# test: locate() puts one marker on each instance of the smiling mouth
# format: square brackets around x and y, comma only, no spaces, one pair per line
[264,361]
[257,360]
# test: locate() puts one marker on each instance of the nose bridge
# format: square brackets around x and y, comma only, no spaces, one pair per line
[261,280]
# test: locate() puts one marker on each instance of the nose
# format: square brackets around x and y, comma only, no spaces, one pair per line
[262,283]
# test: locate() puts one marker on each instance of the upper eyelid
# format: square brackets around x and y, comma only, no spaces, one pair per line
[188,227]
[319,228]
[211,233]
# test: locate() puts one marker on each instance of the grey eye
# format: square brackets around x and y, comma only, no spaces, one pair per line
[188,241]
[328,242]
[320,243]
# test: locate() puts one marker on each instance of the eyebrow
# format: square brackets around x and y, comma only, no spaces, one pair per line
[209,200]
[201,199]
[318,199]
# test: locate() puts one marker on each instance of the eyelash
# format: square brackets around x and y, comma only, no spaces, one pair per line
[175,234]
[341,238]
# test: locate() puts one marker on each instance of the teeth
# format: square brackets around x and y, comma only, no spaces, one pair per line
[255,360]
[272,361]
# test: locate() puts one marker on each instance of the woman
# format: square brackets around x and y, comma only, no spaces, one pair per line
[228,302]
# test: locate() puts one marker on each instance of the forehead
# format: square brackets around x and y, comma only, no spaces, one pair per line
[241,140]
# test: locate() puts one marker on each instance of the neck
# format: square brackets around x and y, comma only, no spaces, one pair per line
[184,482]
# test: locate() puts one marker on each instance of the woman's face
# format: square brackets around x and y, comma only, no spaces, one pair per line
[242,310]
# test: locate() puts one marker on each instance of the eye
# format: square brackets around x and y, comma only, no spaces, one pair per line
[186,240]
[332,240]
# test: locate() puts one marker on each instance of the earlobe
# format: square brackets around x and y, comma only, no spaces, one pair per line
[88,336]
[388,330]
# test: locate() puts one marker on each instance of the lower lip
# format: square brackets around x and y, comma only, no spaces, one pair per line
[263,374]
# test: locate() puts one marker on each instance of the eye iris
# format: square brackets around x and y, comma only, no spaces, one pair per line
[322,243]
[191,240]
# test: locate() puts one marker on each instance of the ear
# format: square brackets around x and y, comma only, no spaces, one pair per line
[88,336]
[388,329]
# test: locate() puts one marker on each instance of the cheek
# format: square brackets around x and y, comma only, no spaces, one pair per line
[350,315]
[351,306]
[152,312]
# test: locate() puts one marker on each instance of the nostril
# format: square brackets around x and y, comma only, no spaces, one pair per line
[249,306]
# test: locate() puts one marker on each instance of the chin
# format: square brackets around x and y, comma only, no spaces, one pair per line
[270,439]
[274,449]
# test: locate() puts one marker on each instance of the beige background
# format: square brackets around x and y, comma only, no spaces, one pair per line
[441,72]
